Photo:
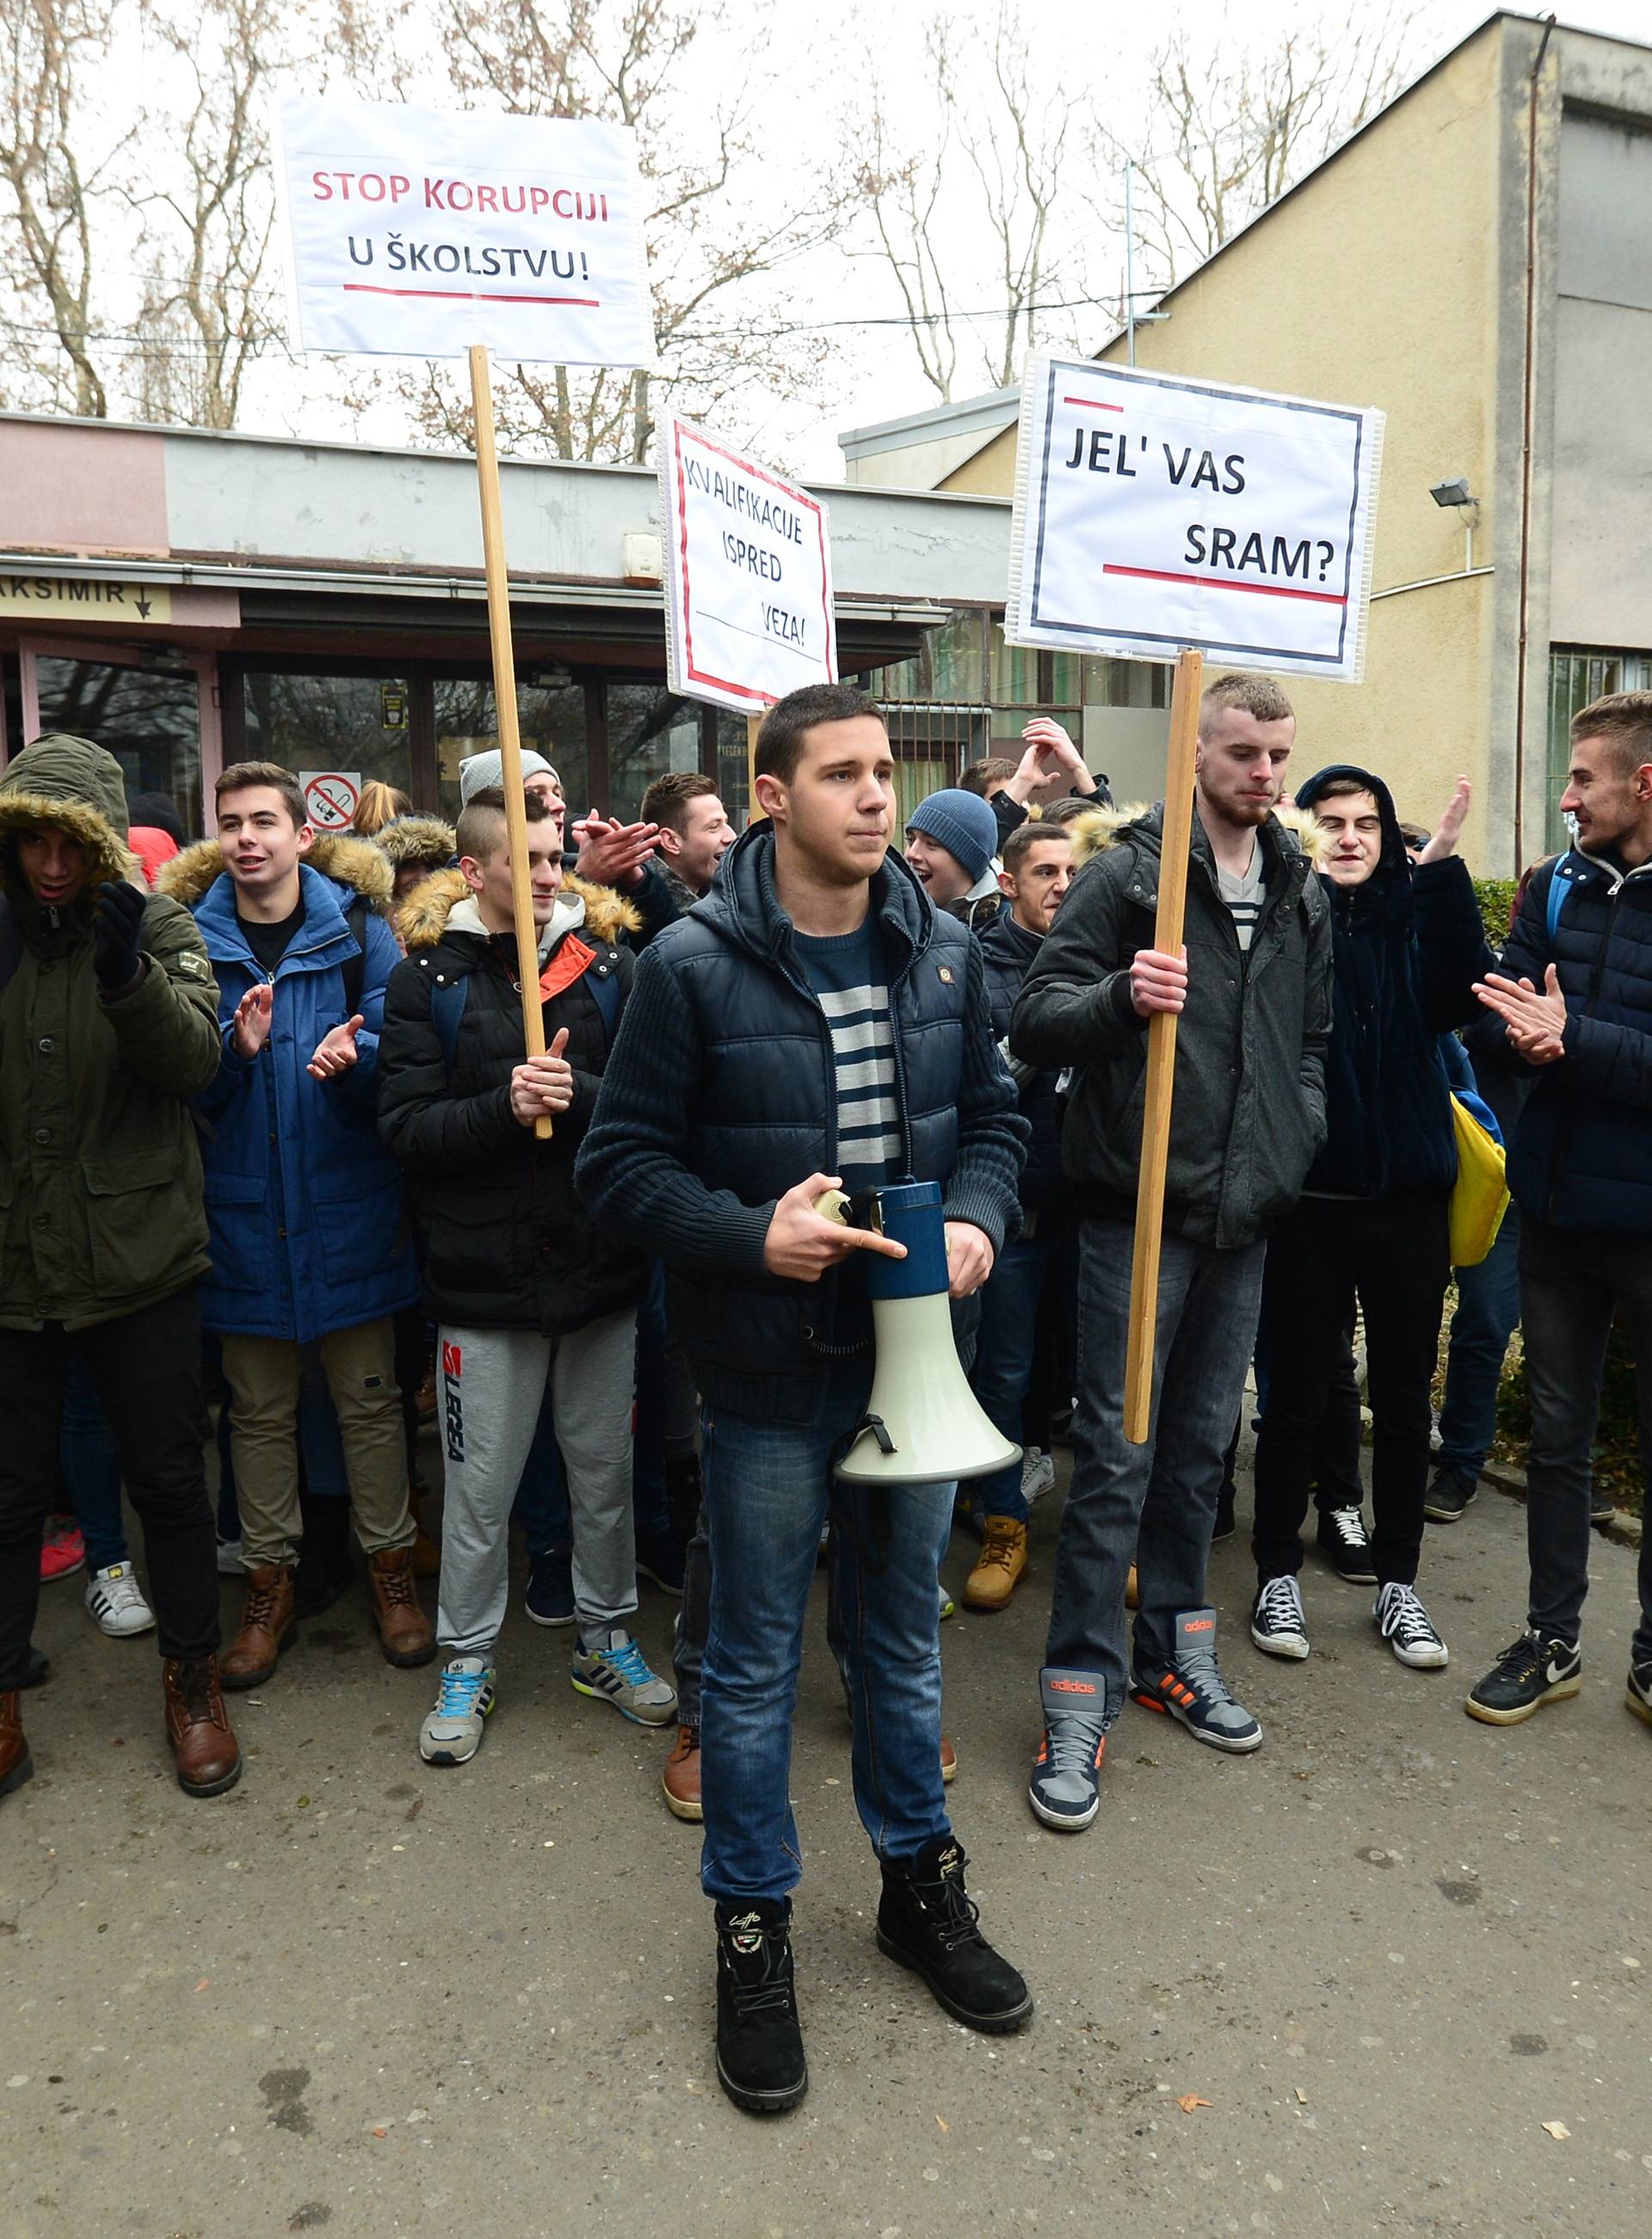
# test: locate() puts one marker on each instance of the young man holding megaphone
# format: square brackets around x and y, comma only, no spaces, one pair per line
[814,1028]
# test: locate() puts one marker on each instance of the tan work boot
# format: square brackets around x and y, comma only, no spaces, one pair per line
[204,1747]
[266,1627]
[680,1779]
[15,1763]
[1132,1590]
[999,1565]
[405,1633]
[949,1762]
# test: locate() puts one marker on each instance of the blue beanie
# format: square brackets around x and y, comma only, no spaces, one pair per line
[962,823]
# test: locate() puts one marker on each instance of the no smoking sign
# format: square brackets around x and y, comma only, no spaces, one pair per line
[330,797]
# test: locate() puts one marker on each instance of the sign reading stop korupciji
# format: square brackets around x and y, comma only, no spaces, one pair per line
[749,577]
[1153,513]
[412,233]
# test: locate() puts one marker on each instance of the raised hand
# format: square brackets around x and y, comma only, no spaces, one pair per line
[1447,832]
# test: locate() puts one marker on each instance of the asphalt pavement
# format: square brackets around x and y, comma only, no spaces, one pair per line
[1389,1975]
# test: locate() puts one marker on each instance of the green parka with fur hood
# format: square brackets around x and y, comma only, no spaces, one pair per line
[100,1175]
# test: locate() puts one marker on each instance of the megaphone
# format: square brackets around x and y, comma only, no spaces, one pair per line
[923,1424]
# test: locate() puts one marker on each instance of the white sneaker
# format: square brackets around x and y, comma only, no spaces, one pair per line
[112,1598]
[1037,1473]
[1405,1624]
[229,1563]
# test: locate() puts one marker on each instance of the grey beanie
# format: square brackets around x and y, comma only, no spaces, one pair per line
[478,772]
[962,823]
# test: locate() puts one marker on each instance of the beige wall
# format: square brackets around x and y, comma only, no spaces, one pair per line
[1376,284]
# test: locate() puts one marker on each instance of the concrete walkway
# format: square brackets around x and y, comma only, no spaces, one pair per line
[362,1995]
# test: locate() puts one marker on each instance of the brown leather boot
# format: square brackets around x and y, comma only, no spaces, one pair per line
[405,1632]
[266,1627]
[15,1763]
[197,1725]
[680,1779]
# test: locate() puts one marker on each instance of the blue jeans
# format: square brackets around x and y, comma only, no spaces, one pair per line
[767,1491]
[1004,1355]
[90,1465]
[1488,1314]
[1152,1504]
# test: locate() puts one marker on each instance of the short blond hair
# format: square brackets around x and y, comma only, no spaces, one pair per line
[1264,697]
[1622,722]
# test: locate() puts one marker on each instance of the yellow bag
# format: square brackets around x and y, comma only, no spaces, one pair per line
[1480,1195]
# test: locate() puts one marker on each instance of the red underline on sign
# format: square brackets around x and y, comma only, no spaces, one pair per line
[1093,404]
[1221,583]
[469,295]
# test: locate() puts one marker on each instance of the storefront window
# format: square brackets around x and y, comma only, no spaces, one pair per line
[149,718]
[353,726]
[650,731]
[734,767]
[550,717]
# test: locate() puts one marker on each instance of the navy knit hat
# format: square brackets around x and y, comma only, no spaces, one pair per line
[962,823]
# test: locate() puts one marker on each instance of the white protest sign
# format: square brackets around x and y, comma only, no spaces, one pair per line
[330,797]
[1153,513]
[749,577]
[412,233]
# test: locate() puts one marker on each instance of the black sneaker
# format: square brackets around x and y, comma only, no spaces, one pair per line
[1527,1674]
[660,1557]
[927,1921]
[1602,1509]
[760,2043]
[1345,1545]
[1278,1626]
[1637,1695]
[549,1599]
[1449,1494]
[1223,1526]
[1191,1688]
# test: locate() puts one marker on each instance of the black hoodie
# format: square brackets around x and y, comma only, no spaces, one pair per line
[1408,946]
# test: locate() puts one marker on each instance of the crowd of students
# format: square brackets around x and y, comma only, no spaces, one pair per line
[270,1130]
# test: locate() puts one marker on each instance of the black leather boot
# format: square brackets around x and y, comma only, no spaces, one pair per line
[759,2042]
[926,1922]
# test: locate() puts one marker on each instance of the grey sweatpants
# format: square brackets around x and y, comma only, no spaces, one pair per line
[492,1384]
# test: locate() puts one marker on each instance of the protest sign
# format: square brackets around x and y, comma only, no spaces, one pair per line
[749,577]
[1154,513]
[412,233]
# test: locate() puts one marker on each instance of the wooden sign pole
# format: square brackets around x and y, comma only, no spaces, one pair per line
[1161,1049]
[510,742]
[754,725]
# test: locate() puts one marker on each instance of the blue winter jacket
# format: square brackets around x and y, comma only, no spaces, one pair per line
[1582,1149]
[307,1230]
[720,1095]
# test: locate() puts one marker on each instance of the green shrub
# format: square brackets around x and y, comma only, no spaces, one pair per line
[1496,899]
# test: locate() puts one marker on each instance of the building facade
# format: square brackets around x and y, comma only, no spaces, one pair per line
[1478,261]
[188,598]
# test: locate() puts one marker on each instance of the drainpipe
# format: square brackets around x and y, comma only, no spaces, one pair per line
[1528,406]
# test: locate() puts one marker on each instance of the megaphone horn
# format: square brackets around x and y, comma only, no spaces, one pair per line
[923,1424]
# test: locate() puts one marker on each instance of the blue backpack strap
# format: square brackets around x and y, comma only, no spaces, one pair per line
[447,999]
[604,986]
[1558,889]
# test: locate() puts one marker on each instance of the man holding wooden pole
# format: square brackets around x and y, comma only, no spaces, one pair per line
[1241,1002]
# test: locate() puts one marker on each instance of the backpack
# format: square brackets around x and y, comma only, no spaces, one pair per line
[448,998]
[1559,888]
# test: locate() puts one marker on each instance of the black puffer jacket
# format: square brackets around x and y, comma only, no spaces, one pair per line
[1008,951]
[1249,1102]
[1409,946]
[1582,1151]
[504,1240]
